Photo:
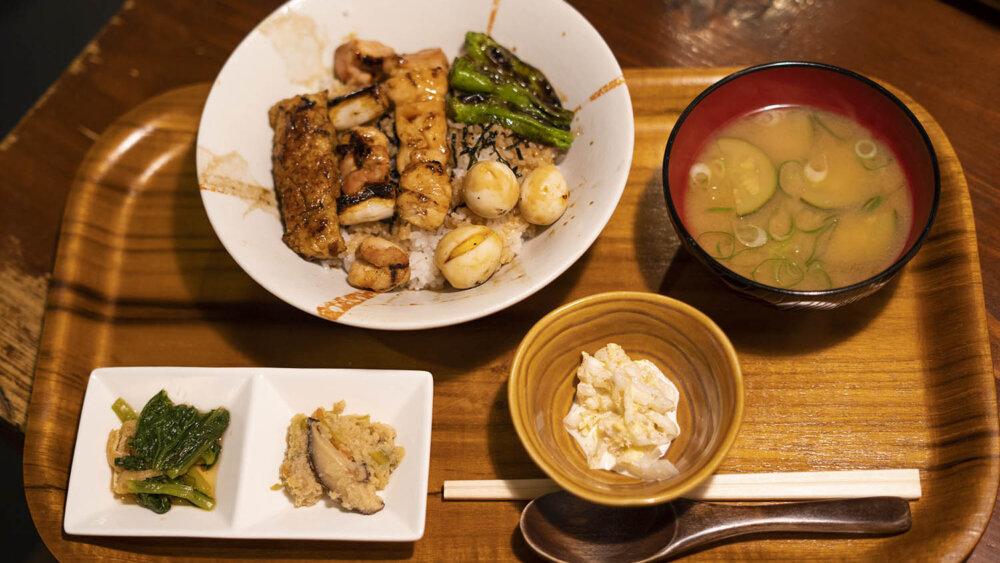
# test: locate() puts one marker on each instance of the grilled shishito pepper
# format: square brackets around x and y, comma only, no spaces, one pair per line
[492,85]
[470,77]
[483,48]
[482,109]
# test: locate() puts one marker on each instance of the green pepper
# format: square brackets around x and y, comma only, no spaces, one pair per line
[469,76]
[484,49]
[482,109]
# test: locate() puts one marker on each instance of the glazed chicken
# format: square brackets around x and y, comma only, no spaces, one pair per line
[380,266]
[357,108]
[359,62]
[364,159]
[364,177]
[417,84]
[305,176]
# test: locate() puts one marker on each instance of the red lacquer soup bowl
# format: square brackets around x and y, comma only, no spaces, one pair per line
[822,87]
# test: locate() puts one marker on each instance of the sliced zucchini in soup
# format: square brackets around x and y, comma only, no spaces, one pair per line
[865,237]
[834,178]
[750,173]
[792,178]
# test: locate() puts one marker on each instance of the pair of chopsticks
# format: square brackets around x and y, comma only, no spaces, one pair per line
[806,485]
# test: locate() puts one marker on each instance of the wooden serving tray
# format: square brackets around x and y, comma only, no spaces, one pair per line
[901,379]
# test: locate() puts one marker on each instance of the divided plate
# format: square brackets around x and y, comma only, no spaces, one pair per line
[261,401]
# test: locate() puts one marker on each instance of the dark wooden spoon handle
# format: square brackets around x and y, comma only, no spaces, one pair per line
[700,523]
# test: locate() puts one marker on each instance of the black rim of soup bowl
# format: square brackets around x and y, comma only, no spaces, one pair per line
[790,298]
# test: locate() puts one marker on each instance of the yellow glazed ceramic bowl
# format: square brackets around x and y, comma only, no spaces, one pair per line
[684,343]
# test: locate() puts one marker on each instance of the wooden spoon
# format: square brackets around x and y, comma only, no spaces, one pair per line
[562,527]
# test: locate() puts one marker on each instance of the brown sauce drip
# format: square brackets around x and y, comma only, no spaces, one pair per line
[604,90]
[493,17]
[221,175]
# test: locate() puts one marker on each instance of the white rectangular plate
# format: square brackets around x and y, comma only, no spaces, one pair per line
[261,402]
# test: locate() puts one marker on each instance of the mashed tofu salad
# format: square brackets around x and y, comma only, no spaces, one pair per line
[624,414]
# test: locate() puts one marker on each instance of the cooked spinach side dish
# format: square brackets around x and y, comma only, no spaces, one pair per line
[166,453]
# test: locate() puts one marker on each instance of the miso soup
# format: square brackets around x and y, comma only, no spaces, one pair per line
[800,199]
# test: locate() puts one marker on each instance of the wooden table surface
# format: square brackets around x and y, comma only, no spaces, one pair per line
[945,55]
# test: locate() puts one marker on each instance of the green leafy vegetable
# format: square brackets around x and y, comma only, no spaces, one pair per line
[161,485]
[180,442]
[159,504]
[171,438]
[872,203]
[211,455]
[130,463]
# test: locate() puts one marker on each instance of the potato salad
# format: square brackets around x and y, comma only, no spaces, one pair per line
[624,414]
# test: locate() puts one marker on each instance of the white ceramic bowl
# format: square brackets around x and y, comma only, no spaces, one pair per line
[291,52]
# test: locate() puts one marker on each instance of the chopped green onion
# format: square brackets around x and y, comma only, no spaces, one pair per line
[821,242]
[751,235]
[723,243]
[871,203]
[816,270]
[701,174]
[865,149]
[814,174]
[779,272]
[781,226]
[812,220]
[791,178]
[816,119]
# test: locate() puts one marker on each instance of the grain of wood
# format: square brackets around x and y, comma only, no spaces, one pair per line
[902,379]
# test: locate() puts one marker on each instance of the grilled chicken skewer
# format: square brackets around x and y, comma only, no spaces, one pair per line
[305,176]
[360,63]
[357,108]
[380,266]
[364,177]
[417,86]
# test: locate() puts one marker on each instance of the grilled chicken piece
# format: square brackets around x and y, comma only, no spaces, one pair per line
[417,86]
[305,176]
[345,479]
[374,202]
[364,159]
[380,266]
[364,175]
[425,194]
[357,108]
[359,62]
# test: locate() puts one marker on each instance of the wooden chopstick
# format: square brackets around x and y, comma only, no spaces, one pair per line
[805,485]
